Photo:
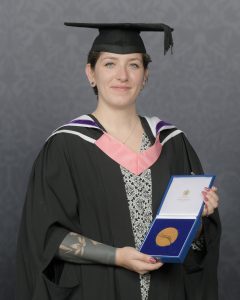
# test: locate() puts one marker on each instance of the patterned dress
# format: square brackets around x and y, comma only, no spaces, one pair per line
[139,195]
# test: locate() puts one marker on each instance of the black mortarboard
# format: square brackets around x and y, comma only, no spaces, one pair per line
[123,38]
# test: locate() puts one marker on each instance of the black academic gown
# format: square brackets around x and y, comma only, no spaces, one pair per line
[76,187]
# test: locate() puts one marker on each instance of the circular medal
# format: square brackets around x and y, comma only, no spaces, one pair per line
[166,237]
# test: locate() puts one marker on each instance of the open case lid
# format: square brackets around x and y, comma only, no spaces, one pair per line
[183,197]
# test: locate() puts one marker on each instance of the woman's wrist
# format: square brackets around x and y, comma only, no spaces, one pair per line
[118,257]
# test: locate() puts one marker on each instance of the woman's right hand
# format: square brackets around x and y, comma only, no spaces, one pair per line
[133,260]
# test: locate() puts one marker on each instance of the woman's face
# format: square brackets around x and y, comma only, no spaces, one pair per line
[119,78]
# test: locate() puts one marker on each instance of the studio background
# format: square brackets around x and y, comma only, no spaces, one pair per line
[43,85]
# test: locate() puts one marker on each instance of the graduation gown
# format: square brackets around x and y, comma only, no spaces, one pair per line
[77,186]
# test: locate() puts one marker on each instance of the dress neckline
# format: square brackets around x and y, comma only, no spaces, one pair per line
[145,131]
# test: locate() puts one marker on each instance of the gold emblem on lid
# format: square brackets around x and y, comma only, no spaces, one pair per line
[186,193]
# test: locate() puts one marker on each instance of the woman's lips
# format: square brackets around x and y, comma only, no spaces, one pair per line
[121,88]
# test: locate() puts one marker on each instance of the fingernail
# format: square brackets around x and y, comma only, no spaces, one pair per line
[152,260]
[207,189]
[205,199]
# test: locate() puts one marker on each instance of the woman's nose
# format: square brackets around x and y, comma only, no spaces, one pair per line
[122,74]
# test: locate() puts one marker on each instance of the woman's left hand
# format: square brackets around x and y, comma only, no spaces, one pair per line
[211,201]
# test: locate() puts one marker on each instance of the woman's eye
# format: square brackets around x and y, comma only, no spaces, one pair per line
[135,66]
[109,65]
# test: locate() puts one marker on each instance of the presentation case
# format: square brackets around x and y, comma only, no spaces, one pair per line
[178,218]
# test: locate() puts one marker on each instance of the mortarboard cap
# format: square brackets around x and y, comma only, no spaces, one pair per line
[123,38]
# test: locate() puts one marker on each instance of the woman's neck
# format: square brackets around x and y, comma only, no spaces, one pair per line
[117,121]
[123,124]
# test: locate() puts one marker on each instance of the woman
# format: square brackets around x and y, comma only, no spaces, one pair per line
[96,186]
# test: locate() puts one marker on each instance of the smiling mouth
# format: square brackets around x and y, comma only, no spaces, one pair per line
[121,88]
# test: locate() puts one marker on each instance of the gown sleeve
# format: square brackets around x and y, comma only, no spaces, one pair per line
[201,266]
[50,212]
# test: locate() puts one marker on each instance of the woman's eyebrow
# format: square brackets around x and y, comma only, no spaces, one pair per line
[135,58]
[115,58]
[109,57]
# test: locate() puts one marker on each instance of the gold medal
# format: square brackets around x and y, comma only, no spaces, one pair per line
[166,237]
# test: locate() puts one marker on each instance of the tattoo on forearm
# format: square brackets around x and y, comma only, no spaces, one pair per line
[79,249]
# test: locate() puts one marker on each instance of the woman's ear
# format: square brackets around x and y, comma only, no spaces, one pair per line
[146,73]
[90,73]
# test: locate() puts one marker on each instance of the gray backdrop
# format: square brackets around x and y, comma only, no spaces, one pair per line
[42,85]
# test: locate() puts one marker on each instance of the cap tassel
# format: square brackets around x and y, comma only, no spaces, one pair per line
[168,39]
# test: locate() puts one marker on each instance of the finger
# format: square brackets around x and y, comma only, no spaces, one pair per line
[204,193]
[213,188]
[144,268]
[213,192]
[208,209]
[145,258]
[205,211]
[212,199]
[151,267]
[214,196]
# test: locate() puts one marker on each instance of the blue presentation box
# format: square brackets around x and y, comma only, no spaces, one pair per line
[178,218]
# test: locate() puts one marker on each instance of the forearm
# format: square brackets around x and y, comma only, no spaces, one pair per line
[80,249]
